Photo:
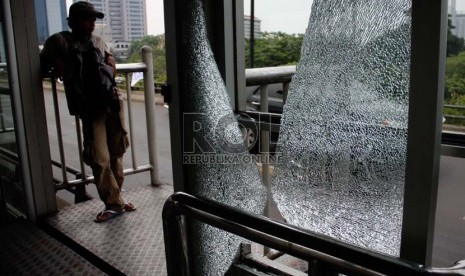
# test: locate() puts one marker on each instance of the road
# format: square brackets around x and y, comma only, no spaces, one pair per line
[449,245]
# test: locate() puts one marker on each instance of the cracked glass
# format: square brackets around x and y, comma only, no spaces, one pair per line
[342,142]
[218,162]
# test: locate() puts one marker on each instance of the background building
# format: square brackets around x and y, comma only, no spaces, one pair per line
[103,30]
[120,49]
[50,17]
[257,26]
[126,20]
[459,23]
[457,19]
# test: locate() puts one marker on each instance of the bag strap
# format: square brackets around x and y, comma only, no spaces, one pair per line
[68,36]
[109,76]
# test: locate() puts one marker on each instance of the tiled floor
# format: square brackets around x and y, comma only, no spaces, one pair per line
[132,243]
[27,250]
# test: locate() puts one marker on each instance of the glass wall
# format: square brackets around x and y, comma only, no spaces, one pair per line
[218,162]
[11,184]
[344,128]
[454,93]
[341,167]
[450,226]
[272,19]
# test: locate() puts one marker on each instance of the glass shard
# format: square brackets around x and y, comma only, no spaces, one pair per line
[344,128]
[214,149]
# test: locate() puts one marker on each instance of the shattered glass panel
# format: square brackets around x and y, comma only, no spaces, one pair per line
[343,137]
[218,162]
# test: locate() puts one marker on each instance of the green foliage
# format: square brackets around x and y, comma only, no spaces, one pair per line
[454,92]
[272,49]
[458,112]
[380,65]
[157,43]
[455,44]
[455,77]
[455,87]
[275,49]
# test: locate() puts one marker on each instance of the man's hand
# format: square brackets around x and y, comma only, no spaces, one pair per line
[110,60]
[58,70]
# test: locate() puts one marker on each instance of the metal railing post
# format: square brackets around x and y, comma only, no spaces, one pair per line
[58,125]
[265,139]
[80,194]
[130,119]
[265,152]
[285,91]
[80,147]
[149,95]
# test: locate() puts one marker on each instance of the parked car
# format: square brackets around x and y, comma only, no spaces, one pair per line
[275,98]
[253,116]
[120,79]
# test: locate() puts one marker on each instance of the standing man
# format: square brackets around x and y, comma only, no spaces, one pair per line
[87,68]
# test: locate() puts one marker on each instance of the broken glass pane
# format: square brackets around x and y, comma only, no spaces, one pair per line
[218,162]
[343,137]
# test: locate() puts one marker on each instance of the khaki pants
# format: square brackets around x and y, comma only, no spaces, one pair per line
[105,142]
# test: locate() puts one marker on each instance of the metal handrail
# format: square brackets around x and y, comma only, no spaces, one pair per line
[267,75]
[3,127]
[456,107]
[283,74]
[263,77]
[149,98]
[286,238]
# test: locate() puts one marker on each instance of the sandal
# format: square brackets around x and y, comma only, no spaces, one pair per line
[106,215]
[129,207]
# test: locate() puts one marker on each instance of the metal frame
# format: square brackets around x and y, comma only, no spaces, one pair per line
[428,52]
[173,27]
[29,108]
[429,24]
[222,33]
[453,144]
[220,22]
[337,256]
[222,17]
[240,96]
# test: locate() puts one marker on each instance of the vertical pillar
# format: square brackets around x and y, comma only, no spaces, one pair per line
[149,96]
[429,29]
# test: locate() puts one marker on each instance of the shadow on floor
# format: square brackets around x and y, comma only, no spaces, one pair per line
[132,243]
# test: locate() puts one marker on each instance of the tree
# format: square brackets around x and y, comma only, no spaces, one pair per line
[455,44]
[455,77]
[157,43]
[455,87]
[275,49]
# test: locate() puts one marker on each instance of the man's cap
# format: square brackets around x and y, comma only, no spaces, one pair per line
[83,9]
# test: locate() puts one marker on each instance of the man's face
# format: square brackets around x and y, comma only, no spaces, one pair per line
[87,25]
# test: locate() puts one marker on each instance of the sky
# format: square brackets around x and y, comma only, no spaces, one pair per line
[460,6]
[290,16]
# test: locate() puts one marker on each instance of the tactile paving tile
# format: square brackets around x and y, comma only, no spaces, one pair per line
[27,250]
[133,242]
